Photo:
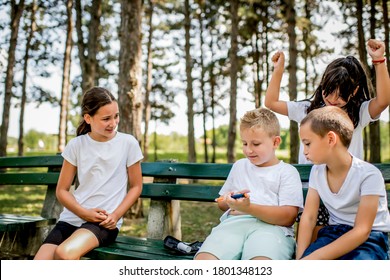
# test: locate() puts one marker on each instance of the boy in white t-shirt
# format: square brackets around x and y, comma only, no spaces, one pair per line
[352,190]
[260,225]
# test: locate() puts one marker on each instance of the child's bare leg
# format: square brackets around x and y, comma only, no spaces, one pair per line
[46,252]
[261,258]
[205,256]
[77,245]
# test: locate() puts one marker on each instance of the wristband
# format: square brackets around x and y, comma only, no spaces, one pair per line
[379,61]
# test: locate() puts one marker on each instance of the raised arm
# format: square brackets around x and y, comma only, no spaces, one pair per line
[273,91]
[376,50]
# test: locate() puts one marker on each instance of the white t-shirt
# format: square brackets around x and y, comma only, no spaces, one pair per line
[276,185]
[362,179]
[101,171]
[297,111]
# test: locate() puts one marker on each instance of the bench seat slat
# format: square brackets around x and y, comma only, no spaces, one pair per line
[10,222]
[135,248]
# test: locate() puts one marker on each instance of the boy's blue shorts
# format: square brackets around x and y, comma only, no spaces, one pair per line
[375,248]
[246,237]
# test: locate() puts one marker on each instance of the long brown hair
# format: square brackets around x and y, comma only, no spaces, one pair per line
[93,99]
[345,74]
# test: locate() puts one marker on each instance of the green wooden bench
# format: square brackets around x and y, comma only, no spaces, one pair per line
[165,184]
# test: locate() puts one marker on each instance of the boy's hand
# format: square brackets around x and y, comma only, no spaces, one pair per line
[376,49]
[278,61]
[239,204]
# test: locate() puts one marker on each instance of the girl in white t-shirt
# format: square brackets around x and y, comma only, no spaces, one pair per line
[106,162]
[344,84]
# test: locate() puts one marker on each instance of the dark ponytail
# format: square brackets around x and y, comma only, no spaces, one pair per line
[93,99]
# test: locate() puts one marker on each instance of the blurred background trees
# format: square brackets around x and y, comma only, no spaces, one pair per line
[162,56]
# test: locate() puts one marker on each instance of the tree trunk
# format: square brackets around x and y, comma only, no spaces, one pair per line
[231,153]
[375,137]
[148,87]
[374,141]
[16,14]
[202,84]
[213,102]
[264,36]
[88,62]
[130,71]
[256,70]
[189,92]
[31,30]
[363,60]
[292,77]
[130,77]
[306,52]
[256,60]
[65,89]
[387,44]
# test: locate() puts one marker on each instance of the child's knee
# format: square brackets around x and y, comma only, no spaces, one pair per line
[64,252]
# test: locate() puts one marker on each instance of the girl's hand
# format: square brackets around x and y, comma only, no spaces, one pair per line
[95,215]
[109,222]
[278,61]
[376,49]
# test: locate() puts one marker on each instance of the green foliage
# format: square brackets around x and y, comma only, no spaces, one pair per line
[173,142]
[221,135]
[39,141]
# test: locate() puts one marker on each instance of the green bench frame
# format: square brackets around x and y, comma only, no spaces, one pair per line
[166,184]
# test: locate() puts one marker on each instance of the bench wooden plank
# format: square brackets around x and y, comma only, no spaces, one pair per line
[10,222]
[133,248]
[31,161]
[29,178]
[186,170]
[180,191]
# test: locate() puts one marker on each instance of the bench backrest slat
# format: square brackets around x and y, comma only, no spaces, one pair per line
[31,161]
[11,173]
[47,178]
[186,170]
[180,191]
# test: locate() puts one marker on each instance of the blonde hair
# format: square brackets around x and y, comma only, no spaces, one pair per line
[330,118]
[261,118]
